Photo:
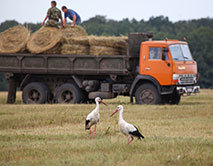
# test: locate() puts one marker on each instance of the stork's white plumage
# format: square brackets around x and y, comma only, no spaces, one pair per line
[126,128]
[94,116]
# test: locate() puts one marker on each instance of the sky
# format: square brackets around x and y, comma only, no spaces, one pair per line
[35,10]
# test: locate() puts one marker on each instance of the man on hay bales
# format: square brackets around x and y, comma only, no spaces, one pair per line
[53,16]
[72,15]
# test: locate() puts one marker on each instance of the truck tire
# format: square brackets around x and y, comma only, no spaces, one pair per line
[68,94]
[171,99]
[165,99]
[83,96]
[175,99]
[35,93]
[147,94]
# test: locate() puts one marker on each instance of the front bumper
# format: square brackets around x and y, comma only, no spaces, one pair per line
[188,90]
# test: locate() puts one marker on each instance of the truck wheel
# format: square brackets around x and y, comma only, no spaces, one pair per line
[171,99]
[68,94]
[175,99]
[84,97]
[147,94]
[35,93]
[166,99]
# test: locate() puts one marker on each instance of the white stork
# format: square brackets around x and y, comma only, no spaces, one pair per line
[126,128]
[94,116]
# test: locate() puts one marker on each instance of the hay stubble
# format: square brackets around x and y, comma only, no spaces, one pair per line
[55,134]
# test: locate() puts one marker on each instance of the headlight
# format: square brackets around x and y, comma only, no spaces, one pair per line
[176,76]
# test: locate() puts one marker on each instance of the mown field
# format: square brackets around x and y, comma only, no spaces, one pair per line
[54,135]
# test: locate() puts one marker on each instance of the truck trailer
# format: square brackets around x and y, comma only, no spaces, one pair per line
[152,72]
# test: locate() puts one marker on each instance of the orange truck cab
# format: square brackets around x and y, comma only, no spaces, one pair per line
[169,66]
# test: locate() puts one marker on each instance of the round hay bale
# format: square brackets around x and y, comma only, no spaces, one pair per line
[101,50]
[111,41]
[14,39]
[82,40]
[75,49]
[75,31]
[55,50]
[44,40]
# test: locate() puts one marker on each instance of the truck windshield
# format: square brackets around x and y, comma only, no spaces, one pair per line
[180,52]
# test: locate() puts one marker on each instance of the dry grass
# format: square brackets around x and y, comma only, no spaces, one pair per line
[55,135]
[55,50]
[109,41]
[81,40]
[111,45]
[76,31]
[75,49]
[14,39]
[101,50]
[75,45]
[68,40]
[51,40]
[44,40]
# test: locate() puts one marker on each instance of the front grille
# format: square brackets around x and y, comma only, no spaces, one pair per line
[187,79]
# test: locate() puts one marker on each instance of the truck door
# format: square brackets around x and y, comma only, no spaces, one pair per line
[158,65]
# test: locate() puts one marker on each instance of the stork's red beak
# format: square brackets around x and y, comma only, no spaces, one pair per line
[114,113]
[103,102]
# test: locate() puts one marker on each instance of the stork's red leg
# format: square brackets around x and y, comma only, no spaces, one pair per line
[90,133]
[95,131]
[132,138]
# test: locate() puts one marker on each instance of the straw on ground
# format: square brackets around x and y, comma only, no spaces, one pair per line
[55,134]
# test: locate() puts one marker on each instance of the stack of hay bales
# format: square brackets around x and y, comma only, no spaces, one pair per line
[76,46]
[75,41]
[111,45]
[14,39]
[68,41]
[45,40]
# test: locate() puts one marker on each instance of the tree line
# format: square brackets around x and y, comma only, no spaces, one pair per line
[198,32]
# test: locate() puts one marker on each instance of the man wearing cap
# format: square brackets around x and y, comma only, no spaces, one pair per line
[53,16]
[72,15]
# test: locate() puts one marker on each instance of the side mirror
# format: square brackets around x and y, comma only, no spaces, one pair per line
[165,54]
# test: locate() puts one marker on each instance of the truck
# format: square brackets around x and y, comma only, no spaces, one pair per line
[152,72]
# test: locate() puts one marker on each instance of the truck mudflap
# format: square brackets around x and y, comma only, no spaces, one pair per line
[188,90]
